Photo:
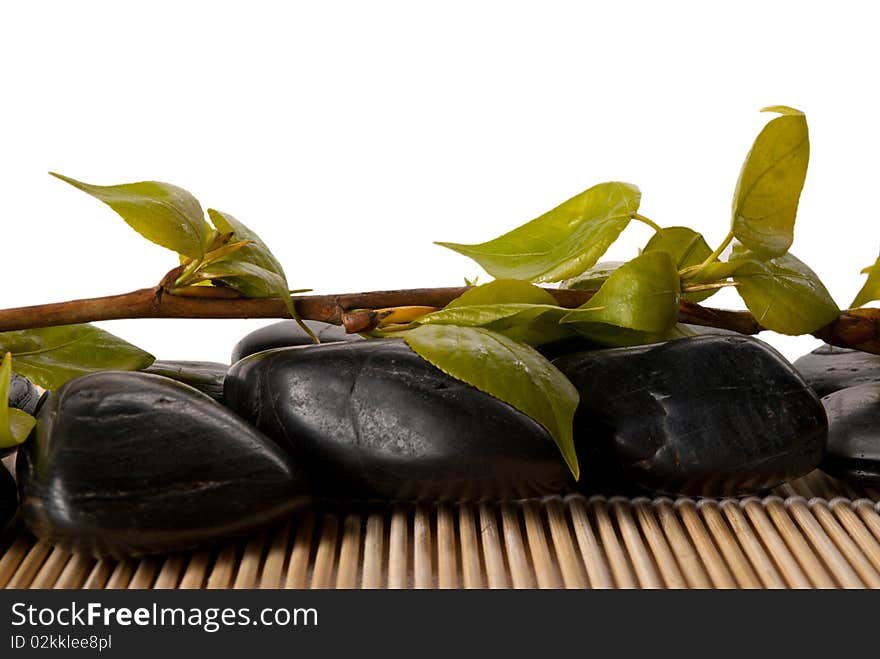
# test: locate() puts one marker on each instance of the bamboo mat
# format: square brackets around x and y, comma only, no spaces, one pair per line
[814,532]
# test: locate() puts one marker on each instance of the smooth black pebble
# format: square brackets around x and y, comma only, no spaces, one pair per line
[710,416]
[133,463]
[207,377]
[374,420]
[8,497]
[828,369]
[853,451]
[288,333]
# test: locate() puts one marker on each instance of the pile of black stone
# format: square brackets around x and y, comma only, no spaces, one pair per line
[191,453]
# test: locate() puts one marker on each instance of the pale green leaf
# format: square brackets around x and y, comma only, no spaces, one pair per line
[766,199]
[503,291]
[871,289]
[783,294]
[687,248]
[50,356]
[15,425]
[507,370]
[563,242]
[162,213]
[642,294]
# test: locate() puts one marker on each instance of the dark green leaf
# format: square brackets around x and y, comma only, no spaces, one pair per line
[766,198]
[51,356]
[783,294]
[642,294]
[619,337]
[686,248]
[563,242]
[592,279]
[162,213]
[15,425]
[507,370]
[871,290]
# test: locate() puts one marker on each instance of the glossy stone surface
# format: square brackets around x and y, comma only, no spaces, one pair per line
[207,377]
[710,415]
[132,463]
[372,419]
[8,497]
[288,333]
[23,395]
[828,369]
[853,451]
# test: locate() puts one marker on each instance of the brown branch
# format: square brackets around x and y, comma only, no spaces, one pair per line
[358,312]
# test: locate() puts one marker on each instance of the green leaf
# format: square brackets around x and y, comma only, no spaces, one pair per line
[686,248]
[619,337]
[563,242]
[871,290]
[783,294]
[252,270]
[534,324]
[766,198]
[507,370]
[15,425]
[50,356]
[592,279]
[502,291]
[642,294]
[162,213]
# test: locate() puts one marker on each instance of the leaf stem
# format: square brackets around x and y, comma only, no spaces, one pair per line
[645,220]
[712,257]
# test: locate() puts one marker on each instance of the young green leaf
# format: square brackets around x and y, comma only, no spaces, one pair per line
[686,248]
[15,425]
[642,294]
[563,242]
[871,290]
[507,370]
[766,198]
[51,356]
[252,270]
[162,213]
[503,291]
[592,279]
[534,324]
[783,294]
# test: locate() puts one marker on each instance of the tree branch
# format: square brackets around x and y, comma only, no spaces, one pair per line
[357,312]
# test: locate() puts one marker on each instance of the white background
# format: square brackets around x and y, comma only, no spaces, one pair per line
[353,134]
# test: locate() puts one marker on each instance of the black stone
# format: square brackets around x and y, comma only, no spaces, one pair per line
[853,451]
[207,377]
[23,395]
[374,420]
[133,463]
[710,416]
[828,369]
[288,333]
[8,497]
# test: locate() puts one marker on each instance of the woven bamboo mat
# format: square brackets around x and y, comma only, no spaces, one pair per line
[814,532]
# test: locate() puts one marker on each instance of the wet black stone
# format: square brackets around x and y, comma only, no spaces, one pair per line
[134,463]
[828,369]
[207,377]
[288,333]
[8,497]
[23,395]
[710,416]
[374,420]
[853,451]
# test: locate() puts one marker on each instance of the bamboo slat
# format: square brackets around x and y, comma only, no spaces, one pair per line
[811,533]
